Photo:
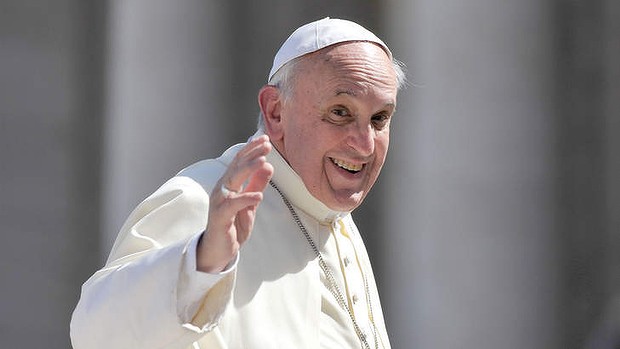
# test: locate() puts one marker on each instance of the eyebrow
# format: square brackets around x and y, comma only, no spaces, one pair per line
[346,92]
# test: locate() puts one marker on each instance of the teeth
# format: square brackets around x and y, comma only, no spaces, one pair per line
[347,166]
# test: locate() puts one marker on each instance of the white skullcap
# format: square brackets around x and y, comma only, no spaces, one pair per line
[316,35]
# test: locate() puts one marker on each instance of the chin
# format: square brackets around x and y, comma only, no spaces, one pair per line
[347,203]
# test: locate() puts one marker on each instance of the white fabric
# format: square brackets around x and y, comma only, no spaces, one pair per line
[274,296]
[319,34]
[193,285]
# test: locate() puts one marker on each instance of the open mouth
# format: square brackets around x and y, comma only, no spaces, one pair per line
[349,167]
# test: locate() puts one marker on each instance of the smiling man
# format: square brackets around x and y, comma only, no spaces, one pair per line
[184,273]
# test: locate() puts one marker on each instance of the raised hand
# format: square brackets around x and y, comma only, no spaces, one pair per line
[232,207]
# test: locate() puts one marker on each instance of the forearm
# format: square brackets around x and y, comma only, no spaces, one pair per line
[133,305]
[147,295]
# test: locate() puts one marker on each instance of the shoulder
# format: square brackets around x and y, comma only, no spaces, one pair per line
[178,195]
[207,172]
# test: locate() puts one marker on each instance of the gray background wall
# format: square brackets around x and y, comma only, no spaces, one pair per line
[494,225]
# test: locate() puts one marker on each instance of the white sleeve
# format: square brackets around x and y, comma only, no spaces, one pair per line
[133,301]
[193,284]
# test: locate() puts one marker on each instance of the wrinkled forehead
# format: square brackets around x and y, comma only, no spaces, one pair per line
[357,72]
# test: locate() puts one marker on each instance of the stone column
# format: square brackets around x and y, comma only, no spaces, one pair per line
[167,102]
[613,150]
[471,261]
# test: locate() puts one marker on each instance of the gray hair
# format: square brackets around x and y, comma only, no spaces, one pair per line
[284,80]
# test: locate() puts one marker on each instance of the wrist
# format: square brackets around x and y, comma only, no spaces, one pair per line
[212,260]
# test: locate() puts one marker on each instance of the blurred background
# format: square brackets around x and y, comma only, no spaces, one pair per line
[496,221]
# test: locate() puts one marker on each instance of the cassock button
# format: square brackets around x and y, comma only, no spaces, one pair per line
[346,261]
[355,299]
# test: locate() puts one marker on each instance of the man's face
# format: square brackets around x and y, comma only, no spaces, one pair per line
[336,124]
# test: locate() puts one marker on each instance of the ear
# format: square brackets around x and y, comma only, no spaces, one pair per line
[270,102]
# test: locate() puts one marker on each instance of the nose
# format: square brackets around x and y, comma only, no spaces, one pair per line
[362,139]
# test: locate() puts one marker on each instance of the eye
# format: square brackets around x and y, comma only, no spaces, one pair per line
[380,121]
[340,111]
[339,115]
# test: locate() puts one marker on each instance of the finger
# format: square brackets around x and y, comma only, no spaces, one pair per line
[224,189]
[252,144]
[244,164]
[245,217]
[259,178]
[255,148]
[224,212]
[241,172]
[244,223]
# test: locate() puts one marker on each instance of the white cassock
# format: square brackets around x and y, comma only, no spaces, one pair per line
[275,295]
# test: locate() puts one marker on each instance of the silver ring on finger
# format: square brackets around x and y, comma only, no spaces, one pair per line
[227,192]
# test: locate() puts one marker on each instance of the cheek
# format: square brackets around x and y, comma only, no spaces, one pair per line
[381,149]
[305,149]
[381,144]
